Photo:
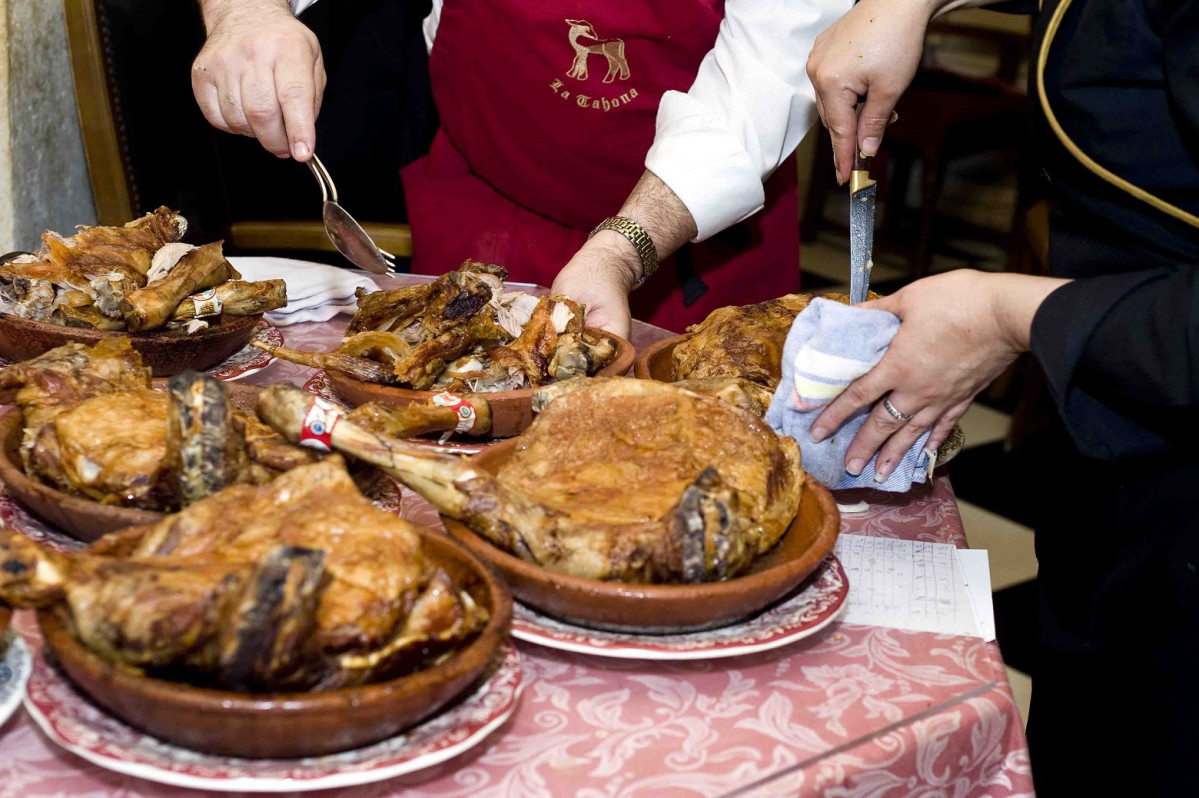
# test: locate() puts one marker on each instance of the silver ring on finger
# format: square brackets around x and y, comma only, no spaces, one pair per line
[895,413]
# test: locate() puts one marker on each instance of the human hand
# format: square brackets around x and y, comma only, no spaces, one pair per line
[260,74]
[873,52]
[601,275]
[959,331]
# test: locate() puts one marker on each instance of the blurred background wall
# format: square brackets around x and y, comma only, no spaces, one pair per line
[43,173]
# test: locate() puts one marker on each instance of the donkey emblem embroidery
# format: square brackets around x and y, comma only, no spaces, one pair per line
[612,49]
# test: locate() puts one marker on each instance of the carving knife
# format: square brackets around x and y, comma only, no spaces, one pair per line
[862,193]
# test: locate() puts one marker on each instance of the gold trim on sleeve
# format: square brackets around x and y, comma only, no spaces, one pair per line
[1055,22]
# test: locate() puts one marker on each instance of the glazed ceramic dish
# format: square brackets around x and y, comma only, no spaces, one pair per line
[292,724]
[665,609]
[84,729]
[165,352]
[805,612]
[656,361]
[511,411]
[81,518]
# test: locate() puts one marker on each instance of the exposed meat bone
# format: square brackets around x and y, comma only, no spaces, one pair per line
[624,494]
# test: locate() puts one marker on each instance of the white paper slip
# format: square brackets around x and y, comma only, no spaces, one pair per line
[977,568]
[906,584]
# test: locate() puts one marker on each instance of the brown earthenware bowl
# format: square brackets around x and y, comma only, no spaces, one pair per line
[656,361]
[164,352]
[82,519]
[5,615]
[287,725]
[511,411]
[665,609]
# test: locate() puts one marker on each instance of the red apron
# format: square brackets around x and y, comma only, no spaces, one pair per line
[547,111]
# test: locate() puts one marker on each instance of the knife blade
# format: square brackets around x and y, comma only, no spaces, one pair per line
[862,194]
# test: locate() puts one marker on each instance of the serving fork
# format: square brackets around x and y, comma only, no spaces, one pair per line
[345,233]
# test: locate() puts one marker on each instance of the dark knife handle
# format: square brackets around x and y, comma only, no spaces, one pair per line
[861,163]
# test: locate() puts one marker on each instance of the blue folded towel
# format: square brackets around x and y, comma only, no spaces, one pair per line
[830,345]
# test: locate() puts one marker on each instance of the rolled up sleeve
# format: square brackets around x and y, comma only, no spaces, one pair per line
[747,111]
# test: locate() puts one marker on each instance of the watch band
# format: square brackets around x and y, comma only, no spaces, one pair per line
[639,238]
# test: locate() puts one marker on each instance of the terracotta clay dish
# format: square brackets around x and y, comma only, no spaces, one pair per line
[665,609]
[5,615]
[165,352]
[287,725]
[655,362]
[80,518]
[511,411]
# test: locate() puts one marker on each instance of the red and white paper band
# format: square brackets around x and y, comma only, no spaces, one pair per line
[207,303]
[467,417]
[317,432]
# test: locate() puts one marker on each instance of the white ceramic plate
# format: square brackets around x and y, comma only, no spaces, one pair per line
[79,726]
[249,359]
[800,615]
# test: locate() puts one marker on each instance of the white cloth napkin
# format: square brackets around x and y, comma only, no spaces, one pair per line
[315,291]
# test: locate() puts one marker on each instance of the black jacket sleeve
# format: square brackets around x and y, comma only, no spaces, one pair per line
[1122,356]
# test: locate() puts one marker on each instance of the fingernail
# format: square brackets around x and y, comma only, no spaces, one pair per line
[880,477]
[870,146]
[854,467]
[818,434]
[301,151]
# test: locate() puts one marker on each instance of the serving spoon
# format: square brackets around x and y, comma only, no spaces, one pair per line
[345,233]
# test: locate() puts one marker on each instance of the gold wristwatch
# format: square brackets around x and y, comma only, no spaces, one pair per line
[640,240]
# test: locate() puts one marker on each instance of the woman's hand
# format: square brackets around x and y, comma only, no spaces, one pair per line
[260,74]
[600,276]
[873,52]
[959,331]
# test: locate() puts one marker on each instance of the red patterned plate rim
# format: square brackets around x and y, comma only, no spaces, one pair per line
[78,726]
[801,615]
[319,384]
[242,363]
[249,359]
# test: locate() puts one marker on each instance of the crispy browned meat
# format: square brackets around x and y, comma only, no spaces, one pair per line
[621,479]
[743,341]
[202,267]
[735,391]
[110,448]
[63,377]
[421,312]
[294,585]
[533,350]
[95,428]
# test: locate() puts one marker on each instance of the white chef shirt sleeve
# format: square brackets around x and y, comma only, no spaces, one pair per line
[747,111]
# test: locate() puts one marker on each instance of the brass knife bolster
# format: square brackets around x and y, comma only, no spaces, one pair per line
[858,180]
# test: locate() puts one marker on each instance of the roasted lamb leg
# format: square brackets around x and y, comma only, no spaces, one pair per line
[150,307]
[299,584]
[235,298]
[619,479]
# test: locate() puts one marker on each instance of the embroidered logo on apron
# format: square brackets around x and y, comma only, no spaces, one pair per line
[612,49]
[585,43]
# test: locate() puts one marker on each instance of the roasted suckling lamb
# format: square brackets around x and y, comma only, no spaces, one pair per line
[300,584]
[463,332]
[617,479]
[94,427]
[137,277]
[736,353]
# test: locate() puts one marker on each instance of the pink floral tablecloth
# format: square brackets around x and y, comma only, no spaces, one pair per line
[853,711]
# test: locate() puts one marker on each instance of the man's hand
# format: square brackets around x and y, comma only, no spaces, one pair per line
[260,74]
[873,52]
[959,331]
[604,271]
[600,275]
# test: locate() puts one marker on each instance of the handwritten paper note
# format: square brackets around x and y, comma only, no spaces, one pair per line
[907,584]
